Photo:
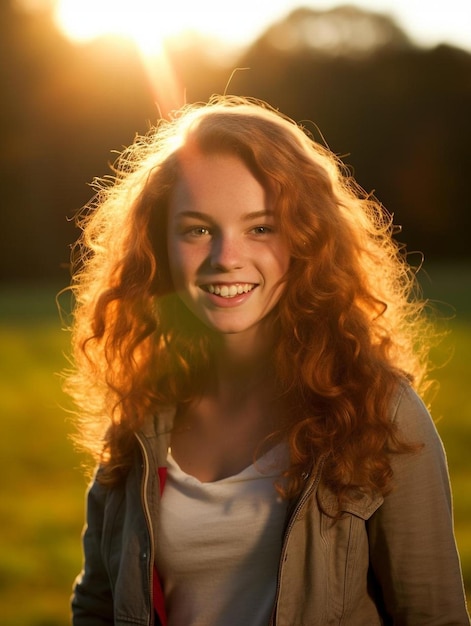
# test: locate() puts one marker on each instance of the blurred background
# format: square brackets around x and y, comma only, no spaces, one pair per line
[386,84]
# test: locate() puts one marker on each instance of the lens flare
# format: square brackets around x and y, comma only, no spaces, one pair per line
[141,21]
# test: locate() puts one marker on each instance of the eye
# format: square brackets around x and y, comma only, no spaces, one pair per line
[199,231]
[262,230]
[196,231]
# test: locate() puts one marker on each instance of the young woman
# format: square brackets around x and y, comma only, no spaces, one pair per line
[248,353]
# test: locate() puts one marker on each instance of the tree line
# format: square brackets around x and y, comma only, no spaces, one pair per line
[397,115]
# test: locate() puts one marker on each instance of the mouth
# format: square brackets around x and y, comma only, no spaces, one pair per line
[228,291]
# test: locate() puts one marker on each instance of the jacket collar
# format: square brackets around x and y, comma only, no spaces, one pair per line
[155,433]
[361,504]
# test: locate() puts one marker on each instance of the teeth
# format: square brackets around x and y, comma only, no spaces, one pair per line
[229,291]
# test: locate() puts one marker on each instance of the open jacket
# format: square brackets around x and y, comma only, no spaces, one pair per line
[389,560]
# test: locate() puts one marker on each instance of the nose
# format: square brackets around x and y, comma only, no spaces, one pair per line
[226,253]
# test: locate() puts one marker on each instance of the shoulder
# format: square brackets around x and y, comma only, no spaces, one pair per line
[411,417]
[415,426]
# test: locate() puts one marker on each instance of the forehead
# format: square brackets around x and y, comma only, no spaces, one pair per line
[210,180]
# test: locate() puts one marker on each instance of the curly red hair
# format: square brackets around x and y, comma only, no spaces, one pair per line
[348,323]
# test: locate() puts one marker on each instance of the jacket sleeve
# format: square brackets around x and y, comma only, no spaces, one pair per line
[92,603]
[412,547]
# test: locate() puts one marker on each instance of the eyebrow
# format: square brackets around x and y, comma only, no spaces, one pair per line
[199,215]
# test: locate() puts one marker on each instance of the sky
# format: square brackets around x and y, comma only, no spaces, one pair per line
[239,22]
[428,22]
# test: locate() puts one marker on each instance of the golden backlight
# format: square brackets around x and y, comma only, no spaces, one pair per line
[149,22]
[142,21]
[139,20]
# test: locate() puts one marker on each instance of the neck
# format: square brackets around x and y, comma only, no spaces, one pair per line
[242,363]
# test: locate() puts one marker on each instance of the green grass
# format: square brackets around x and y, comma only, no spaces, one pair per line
[451,410]
[42,485]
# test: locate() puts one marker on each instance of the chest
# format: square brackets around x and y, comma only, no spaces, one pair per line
[212,443]
[220,542]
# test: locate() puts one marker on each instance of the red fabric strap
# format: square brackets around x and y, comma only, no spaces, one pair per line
[158,593]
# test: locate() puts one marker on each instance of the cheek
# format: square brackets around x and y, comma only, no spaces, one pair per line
[281,260]
[175,263]
[285,262]
[281,265]
[183,264]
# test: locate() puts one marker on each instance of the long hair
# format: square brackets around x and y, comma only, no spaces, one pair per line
[349,324]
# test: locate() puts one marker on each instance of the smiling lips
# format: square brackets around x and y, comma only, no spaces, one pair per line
[229,291]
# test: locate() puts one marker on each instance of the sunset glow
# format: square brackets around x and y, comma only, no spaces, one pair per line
[140,20]
[147,23]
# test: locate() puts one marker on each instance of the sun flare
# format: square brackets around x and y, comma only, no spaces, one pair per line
[148,23]
[142,21]
[139,20]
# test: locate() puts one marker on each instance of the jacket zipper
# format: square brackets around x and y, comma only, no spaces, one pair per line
[300,503]
[145,504]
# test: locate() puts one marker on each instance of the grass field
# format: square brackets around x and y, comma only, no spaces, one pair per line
[42,485]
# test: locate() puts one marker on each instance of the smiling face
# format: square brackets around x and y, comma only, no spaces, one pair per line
[227,259]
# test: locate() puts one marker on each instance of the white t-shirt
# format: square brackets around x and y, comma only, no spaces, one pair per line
[219,544]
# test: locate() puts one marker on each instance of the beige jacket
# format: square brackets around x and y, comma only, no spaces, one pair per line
[387,561]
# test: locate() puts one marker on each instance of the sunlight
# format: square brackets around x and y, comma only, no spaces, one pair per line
[148,24]
[141,21]
[151,27]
